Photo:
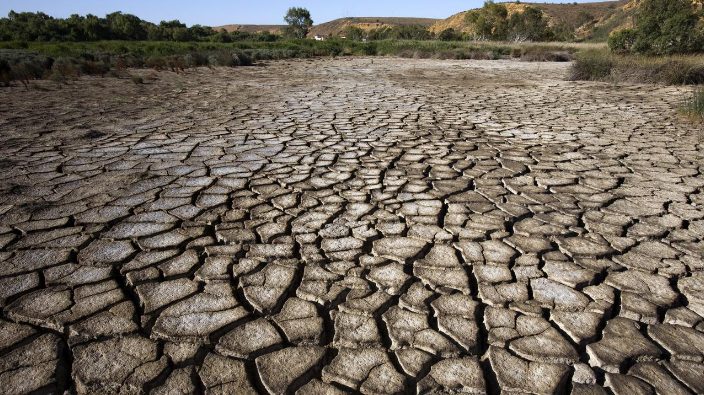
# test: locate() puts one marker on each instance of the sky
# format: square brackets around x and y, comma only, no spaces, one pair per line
[223,12]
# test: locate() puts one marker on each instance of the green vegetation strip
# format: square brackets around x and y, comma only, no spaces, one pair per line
[602,65]
[25,61]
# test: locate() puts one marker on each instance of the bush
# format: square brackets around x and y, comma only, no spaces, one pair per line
[157,63]
[369,49]
[603,66]
[64,69]
[695,104]
[230,59]
[243,59]
[493,21]
[5,72]
[662,27]
[622,41]
[591,66]
[195,59]
[176,63]
[540,53]
[449,35]
[95,68]
[681,72]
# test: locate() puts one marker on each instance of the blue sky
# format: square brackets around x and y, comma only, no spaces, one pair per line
[221,12]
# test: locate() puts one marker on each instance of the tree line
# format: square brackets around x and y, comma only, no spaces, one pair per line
[493,22]
[38,26]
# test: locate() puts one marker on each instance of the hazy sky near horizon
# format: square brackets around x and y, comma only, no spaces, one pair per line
[221,12]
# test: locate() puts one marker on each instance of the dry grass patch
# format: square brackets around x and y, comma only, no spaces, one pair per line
[603,65]
[694,106]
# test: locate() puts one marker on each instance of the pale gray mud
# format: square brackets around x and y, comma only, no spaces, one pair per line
[351,225]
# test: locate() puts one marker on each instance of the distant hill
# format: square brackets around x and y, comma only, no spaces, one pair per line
[620,18]
[574,15]
[275,29]
[590,21]
[337,26]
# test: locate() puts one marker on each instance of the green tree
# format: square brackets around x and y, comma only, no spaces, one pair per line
[199,33]
[354,33]
[622,41]
[222,37]
[662,27]
[449,34]
[381,33]
[530,25]
[28,26]
[667,26]
[126,27]
[410,32]
[490,21]
[95,28]
[299,22]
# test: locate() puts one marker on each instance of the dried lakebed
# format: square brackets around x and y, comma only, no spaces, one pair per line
[351,225]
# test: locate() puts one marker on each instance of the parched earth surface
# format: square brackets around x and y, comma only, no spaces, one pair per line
[351,225]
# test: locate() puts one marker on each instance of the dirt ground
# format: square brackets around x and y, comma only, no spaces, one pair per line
[370,225]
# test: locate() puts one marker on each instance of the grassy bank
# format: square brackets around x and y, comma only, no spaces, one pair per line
[602,65]
[20,61]
[292,48]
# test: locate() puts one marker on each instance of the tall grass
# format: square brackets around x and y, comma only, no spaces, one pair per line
[695,103]
[602,65]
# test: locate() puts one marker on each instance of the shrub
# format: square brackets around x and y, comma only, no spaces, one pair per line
[354,33]
[157,63]
[230,59]
[622,41]
[449,34]
[244,59]
[95,68]
[671,70]
[592,66]
[542,53]
[176,63]
[695,103]
[30,69]
[120,65]
[369,49]
[195,59]
[662,27]
[64,69]
[681,72]
[493,21]
[5,72]
[335,50]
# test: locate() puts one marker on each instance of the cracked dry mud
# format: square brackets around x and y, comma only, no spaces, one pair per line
[351,225]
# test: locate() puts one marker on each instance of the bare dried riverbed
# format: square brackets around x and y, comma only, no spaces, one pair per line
[351,225]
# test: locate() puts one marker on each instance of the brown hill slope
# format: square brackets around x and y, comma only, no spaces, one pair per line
[591,21]
[275,29]
[337,26]
[621,18]
[573,15]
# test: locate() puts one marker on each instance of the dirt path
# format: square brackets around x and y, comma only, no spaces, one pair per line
[372,225]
